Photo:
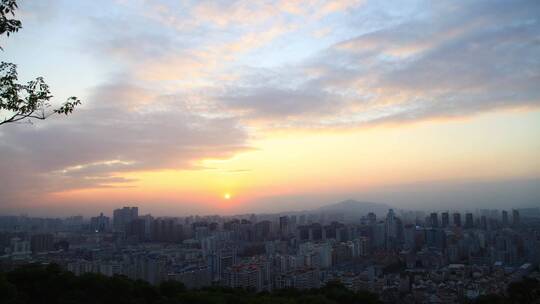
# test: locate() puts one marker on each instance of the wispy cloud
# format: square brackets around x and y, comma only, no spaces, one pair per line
[108,137]
[459,60]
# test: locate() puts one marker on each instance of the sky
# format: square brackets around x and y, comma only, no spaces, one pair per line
[221,107]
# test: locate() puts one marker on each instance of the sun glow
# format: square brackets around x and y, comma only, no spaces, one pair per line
[227,196]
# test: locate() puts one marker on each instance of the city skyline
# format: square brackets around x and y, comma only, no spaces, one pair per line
[363,249]
[350,211]
[218,107]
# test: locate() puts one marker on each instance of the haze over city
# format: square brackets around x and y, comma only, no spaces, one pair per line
[224,107]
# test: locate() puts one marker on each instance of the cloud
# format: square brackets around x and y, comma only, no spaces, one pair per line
[453,60]
[109,136]
[458,59]
[152,47]
[270,103]
[196,75]
[399,62]
[227,15]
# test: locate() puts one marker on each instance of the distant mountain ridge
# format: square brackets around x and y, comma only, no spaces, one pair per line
[356,208]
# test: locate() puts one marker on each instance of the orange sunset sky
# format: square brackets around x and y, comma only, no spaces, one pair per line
[263,106]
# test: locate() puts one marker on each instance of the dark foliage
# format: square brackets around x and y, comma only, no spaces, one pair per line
[19,101]
[49,284]
[526,291]
[7,24]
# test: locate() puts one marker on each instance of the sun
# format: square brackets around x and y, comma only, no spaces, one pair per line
[227,196]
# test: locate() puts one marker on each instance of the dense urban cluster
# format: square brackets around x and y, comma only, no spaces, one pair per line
[402,256]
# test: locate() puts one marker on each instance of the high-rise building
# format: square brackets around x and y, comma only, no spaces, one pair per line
[379,235]
[372,219]
[244,276]
[435,238]
[434,220]
[445,218]
[19,247]
[221,260]
[505,218]
[99,223]
[302,219]
[293,220]
[284,225]
[483,222]
[262,230]
[42,242]
[515,217]
[391,230]
[409,236]
[148,219]
[121,217]
[302,233]
[390,222]
[303,278]
[469,221]
[168,231]
[457,219]
[361,246]
[74,223]
[136,229]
